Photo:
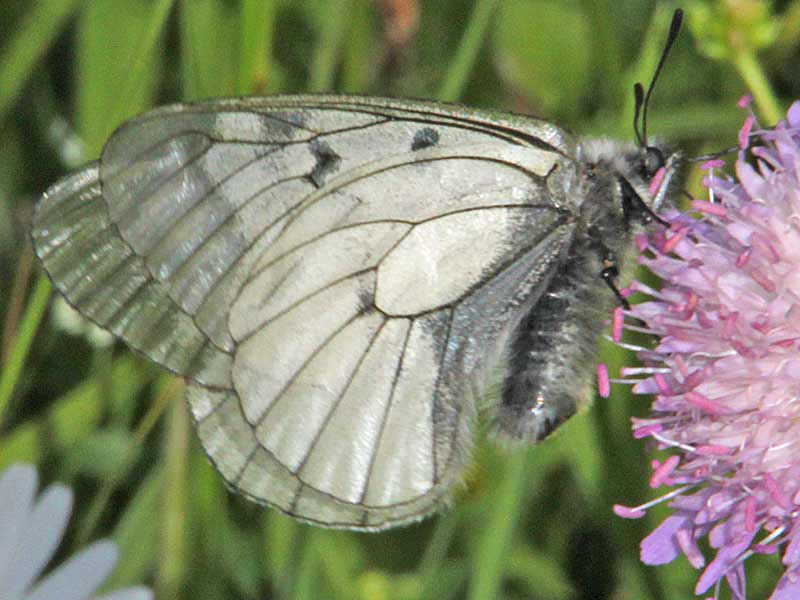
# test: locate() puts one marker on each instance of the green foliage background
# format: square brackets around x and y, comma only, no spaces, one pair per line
[533,523]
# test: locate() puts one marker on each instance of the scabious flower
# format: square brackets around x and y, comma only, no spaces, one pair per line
[30,531]
[725,371]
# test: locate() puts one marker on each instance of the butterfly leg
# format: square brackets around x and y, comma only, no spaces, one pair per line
[634,207]
[610,271]
[609,274]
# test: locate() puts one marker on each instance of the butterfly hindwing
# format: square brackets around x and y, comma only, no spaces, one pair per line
[106,280]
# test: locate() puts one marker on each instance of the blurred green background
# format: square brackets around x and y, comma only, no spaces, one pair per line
[533,523]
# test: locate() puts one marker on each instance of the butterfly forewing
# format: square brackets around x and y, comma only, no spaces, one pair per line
[330,274]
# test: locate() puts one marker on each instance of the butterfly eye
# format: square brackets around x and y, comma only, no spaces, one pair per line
[653,161]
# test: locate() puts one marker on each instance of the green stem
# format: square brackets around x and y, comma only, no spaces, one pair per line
[168,395]
[305,586]
[174,552]
[498,531]
[785,45]
[255,49]
[434,559]
[753,75]
[326,54]
[458,73]
[16,361]
[16,303]
[144,50]
[280,538]
[31,39]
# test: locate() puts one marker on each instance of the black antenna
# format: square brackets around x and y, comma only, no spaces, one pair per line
[674,28]
[638,99]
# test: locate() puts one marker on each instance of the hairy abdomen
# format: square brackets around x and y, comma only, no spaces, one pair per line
[553,351]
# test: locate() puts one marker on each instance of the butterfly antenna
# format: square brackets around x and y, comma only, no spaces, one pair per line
[674,28]
[638,99]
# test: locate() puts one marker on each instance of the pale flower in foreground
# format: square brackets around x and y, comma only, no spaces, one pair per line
[31,529]
[726,368]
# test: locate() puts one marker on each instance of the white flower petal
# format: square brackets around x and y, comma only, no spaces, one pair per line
[80,576]
[43,533]
[17,490]
[133,593]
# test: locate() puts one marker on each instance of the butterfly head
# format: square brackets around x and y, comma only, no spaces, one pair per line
[651,170]
[636,179]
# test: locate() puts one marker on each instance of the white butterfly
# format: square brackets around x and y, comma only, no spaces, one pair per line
[335,276]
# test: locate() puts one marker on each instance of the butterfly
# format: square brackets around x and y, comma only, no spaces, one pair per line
[340,279]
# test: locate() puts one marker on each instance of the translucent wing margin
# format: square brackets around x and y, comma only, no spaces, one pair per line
[107,281]
[329,273]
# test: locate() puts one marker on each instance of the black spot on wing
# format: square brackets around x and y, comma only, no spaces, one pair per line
[327,163]
[366,300]
[424,138]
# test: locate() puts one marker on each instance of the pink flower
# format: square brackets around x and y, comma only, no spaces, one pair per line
[726,368]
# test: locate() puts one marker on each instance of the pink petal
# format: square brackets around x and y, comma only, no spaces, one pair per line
[791,555]
[647,430]
[793,116]
[751,181]
[717,568]
[690,549]
[750,507]
[603,383]
[714,163]
[744,132]
[775,491]
[628,513]
[788,587]
[745,101]
[661,546]
[704,403]
[709,208]
[617,323]
[736,581]
[713,450]
[663,471]
[655,183]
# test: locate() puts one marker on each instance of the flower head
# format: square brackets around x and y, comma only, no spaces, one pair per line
[31,529]
[726,368]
